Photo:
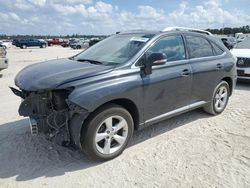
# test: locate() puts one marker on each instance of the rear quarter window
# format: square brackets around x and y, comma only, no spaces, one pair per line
[198,47]
[217,49]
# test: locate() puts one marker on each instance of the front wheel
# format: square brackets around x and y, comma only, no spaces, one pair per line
[219,100]
[107,133]
[23,46]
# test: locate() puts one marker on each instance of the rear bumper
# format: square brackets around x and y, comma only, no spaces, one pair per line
[3,63]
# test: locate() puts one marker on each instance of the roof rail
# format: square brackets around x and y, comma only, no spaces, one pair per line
[187,29]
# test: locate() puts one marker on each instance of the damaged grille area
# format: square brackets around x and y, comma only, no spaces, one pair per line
[50,112]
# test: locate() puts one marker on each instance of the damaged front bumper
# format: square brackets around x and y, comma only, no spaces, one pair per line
[52,114]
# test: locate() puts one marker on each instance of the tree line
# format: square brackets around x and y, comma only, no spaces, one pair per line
[221,31]
[3,36]
[230,30]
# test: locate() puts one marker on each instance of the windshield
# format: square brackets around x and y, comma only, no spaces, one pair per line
[117,49]
[245,44]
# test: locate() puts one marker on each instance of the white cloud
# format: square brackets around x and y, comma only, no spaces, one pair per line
[23,5]
[209,14]
[148,12]
[86,16]
[104,7]
[14,16]
[79,1]
[69,9]
[38,2]
[9,17]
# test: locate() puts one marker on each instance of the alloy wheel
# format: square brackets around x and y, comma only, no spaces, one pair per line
[111,135]
[220,99]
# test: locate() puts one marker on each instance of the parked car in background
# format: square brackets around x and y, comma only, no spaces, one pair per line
[14,42]
[65,44]
[56,41]
[3,46]
[239,37]
[73,42]
[242,52]
[93,41]
[24,43]
[229,42]
[3,59]
[97,98]
[69,42]
[5,43]
[80,44]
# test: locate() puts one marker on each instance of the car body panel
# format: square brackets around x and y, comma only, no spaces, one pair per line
[3,59]
[118,84]
[206,75]
[50,74]
[166,88]
[157,96]
[3,63]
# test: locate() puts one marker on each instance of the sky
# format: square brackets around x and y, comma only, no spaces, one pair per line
[62,17]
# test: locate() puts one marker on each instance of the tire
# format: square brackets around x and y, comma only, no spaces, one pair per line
[78,47]
[101,131]
[24,46]
[222,89]
[43,46]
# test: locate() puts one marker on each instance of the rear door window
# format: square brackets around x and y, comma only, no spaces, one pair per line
[198,47]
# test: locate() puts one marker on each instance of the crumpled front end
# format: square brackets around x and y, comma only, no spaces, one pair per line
[50,113]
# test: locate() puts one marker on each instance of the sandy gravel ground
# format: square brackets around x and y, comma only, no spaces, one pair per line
[191,150]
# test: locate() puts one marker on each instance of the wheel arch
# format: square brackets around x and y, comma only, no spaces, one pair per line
[230,83]
[77,132]
[128,104]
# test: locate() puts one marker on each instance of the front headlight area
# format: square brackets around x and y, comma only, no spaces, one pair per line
[240,62]
[51,113]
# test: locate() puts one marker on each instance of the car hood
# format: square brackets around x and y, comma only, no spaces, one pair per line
[53,73]
[241,52]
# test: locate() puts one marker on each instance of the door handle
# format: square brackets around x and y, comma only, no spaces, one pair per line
[185,72]
[219,66]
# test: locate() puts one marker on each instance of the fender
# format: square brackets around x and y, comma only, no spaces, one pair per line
[93,95]
[125,86]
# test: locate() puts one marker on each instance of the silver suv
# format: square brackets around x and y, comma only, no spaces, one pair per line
[80,44]
[3,59]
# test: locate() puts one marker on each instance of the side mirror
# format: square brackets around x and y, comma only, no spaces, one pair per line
[157,59]
[153,60]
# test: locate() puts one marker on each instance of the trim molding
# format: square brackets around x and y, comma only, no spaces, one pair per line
[177,111]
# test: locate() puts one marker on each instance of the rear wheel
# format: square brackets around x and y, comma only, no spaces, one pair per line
[43,46]
[107,133]
[219,100]
[78,47]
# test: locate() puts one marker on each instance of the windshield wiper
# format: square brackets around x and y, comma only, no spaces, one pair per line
[90,61]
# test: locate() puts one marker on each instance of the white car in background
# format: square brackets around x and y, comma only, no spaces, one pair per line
[3,59]
[242,52]
[5,44]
